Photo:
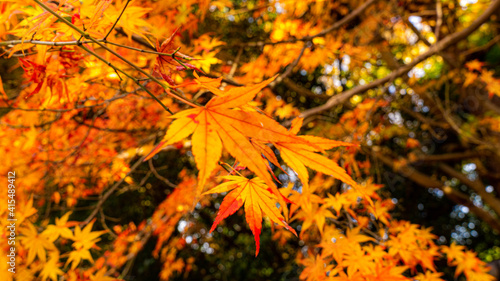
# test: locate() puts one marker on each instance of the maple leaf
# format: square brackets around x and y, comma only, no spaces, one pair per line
[59,229]
[469,263]
[470,77]
[389,273]
[337,201]
[429,276]
[166,64]
[75,257]
[299,155]
[315,268]
[51,268]
[37,244]
[357,260]
[206,61]
[454,252]
[474,65]
[254,194]
[84,240]
[314,215]
[215,125]
[26,210]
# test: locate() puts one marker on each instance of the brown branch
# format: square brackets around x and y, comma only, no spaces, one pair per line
[477,186]
[421,37]
[158,176]
[345,19]
[428,182]
[424,119]
[302,90]
[434,49]
[482,48]
[289,69]
[417,32]
[449,156]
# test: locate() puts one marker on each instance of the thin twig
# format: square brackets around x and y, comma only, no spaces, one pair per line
[114,24]
[158,176]
[289,69]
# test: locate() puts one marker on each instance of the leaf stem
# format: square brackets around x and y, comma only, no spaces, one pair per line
[114,24]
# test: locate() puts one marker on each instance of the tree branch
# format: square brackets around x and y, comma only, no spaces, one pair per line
[436,48]
[428,182]
[449,156]
[477,186]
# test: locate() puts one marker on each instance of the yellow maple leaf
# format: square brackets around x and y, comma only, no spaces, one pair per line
[36,244]
[75,257]
[51,269]
[313,214]
[206,61]
[337,201]
[59,229]
[85,238]
[215,125]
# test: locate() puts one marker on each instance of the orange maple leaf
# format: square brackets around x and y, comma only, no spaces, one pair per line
[298,155]
[257,199]
[429,276]
[225,121]
[215,125]
[474,65]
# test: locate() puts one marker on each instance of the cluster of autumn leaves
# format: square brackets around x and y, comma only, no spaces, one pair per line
[91,123]
[352,249]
